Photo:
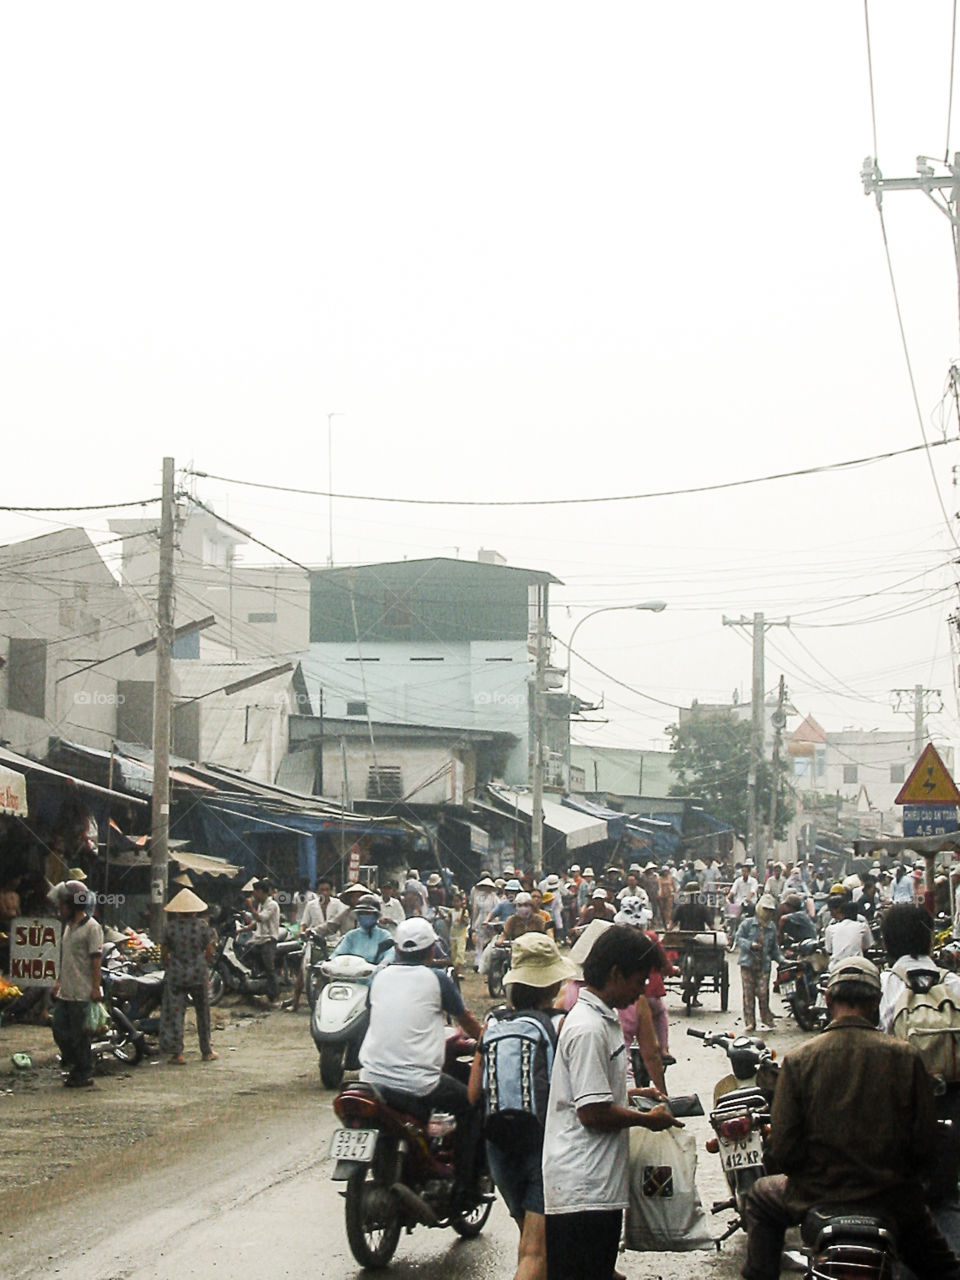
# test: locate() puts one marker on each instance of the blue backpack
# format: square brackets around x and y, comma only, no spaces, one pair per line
[518,1048]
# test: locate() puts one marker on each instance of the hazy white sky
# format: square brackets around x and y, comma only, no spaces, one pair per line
[527,251]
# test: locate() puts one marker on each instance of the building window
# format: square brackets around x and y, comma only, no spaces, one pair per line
[261,617]
[385,782]
[361,659]
[851,773]
[27,677]
[356,708]
[426,659]
[898,773]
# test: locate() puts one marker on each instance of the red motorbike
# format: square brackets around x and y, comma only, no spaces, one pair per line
[398,1166]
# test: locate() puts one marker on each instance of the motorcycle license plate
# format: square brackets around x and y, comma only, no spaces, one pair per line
[745,1153]
[353,1144]
[788,989]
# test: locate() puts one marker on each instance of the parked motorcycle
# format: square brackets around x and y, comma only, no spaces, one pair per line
[398,1166]
[740,1117]
[798,983]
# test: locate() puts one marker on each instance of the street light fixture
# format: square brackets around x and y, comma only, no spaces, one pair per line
[648,606]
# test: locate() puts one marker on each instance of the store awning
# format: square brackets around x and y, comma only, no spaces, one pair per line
[43,771]
[579,829]
[201,862]
[13,793]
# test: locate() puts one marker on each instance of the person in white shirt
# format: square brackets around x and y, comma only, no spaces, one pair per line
[745,888]
[325,917]
[585,1141]
[847,935]
[392,913]
[907,938]
[266,913]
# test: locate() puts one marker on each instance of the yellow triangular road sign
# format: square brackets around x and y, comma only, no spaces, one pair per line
[929,782]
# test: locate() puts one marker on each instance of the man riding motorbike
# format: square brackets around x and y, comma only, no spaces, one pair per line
[851,1129]
[403,1051]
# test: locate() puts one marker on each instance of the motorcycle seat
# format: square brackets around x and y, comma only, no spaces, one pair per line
[825,1224]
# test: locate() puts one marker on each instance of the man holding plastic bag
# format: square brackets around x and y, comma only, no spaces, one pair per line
[586,1136]
[81,946]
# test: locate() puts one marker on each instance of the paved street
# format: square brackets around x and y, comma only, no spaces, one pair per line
[240,1177]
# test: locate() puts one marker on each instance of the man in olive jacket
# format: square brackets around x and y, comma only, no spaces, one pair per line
[852,1127]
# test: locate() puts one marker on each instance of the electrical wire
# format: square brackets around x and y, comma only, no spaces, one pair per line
[99,506]
[953,55]
[873,101]
[562,502]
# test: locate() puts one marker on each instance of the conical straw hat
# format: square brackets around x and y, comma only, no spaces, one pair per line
[186,902]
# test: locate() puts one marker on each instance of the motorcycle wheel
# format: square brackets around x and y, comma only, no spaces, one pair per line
[495,980]
[724,985]
[129,1051]
[805,1016]
[472,1221]
[331,1065]
[217,987]
[373,1221]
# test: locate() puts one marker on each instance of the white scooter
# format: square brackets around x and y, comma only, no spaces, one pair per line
[341,1016]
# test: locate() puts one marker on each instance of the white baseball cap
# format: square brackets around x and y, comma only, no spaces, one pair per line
[415,934]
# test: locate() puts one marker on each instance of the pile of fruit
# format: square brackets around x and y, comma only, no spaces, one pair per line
[8,991]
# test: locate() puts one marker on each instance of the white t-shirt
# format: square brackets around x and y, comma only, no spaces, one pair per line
[847,938]
[586,1169]
[325,919]
[743,890]
[393,913]
[405,1043]
[268,920]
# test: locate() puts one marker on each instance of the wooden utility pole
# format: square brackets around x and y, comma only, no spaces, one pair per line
[160,826]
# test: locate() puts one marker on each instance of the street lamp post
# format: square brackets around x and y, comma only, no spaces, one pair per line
[648,606]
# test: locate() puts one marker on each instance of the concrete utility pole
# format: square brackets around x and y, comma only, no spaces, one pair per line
[539,644]
[160,825]
[921,705]
[760,627]
[779,721]
[945,186]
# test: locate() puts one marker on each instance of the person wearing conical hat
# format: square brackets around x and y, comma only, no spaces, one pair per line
[186,950]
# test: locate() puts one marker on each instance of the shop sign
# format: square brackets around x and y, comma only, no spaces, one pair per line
[34,951]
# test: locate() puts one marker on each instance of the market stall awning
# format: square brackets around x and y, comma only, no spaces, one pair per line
[202,862]
[579,829]
[13,793]
[43,771]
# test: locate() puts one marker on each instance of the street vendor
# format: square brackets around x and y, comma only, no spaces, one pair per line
[81,951]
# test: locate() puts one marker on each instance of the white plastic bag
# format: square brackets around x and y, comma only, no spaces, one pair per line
[665,1214]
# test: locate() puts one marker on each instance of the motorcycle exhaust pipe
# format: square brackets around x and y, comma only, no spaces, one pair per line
[419,1206]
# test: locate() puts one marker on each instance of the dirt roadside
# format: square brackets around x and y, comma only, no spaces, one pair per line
[55,1140]
[51,1136]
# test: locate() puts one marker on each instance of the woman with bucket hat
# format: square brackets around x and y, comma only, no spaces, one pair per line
[185,949]
[515,1148]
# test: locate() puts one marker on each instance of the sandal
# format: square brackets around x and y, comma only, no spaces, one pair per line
[176,1060]
[211,1056]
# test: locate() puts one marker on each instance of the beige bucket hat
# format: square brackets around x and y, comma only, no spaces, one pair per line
[186,902]
[536,962]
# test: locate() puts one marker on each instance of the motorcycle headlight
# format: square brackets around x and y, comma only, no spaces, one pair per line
[336,992]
